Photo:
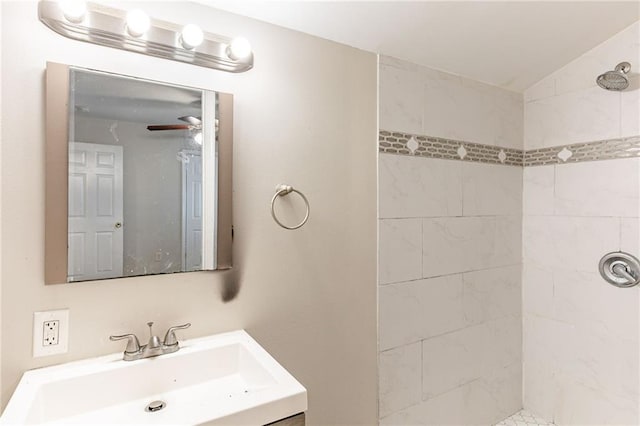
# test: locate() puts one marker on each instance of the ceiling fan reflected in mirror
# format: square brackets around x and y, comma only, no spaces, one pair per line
[193,123]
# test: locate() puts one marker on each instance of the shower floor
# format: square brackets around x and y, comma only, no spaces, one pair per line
[524,418]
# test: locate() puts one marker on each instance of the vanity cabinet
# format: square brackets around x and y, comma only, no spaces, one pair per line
[297,420]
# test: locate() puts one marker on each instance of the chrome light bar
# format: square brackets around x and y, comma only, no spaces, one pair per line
[105,26]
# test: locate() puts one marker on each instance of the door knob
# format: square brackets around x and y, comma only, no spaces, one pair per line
[118,225]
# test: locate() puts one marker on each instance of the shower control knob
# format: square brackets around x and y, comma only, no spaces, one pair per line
[620,269]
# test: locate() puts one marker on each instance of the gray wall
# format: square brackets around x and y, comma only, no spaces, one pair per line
[306,116]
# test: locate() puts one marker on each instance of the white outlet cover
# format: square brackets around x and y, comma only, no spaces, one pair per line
[39,318]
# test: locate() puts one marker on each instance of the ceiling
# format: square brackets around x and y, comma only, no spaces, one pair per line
[510,44]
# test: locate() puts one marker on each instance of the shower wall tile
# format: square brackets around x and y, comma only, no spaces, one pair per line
[630,235]
[483,401]
[537,290]
[421,100]
[582,405]
[598,188]
[616,314]
[400,253]
[400,378]
[490,191]
[492,293]
[569,243]
[545,88]
[419,187]
[456,358]
[401,99]
[467,217]
[461,244]
[588,115]
[630,100]
[467,110]
[436,302]
[538,190]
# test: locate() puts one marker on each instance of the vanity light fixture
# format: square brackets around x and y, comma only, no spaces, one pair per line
[135,31]
[73,10]
[239,48]
[138,22]
[191,36]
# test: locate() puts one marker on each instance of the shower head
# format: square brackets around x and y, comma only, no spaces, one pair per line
[617,79]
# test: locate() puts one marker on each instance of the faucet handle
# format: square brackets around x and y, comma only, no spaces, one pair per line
[133,345]
[170,338]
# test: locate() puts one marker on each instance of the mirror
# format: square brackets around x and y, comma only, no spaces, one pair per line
[138,177]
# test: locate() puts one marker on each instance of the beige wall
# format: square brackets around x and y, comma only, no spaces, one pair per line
[305,115]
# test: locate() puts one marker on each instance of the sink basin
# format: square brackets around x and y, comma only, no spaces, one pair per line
[225,379]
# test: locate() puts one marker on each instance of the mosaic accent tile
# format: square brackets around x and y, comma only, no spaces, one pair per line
[449,149]
[524,418]
[588,151]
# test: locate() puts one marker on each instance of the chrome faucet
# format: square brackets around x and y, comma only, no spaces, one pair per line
[154,346]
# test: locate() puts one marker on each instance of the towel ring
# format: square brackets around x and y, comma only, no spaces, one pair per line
[281,191]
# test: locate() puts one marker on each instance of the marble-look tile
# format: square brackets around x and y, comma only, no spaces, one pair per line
[599,361]
[504,390]
[598,188]
[584,116]
[545,88]
[491,190]
[401,100]
[453,359]
[588,301]
[416,310]
[480,402]
[461,244]
[569,243]
[462,109]
[419,187]
[539,390]
[537,290]
[538,188]
[400,251]
[630,125]
[630,235]
[400,378]
[582,405]
[492,293]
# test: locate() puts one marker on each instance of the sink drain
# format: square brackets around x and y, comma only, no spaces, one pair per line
[155,406]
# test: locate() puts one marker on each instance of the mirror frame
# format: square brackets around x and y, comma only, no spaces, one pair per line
[57,175]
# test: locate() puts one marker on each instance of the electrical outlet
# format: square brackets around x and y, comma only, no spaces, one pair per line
[50,332]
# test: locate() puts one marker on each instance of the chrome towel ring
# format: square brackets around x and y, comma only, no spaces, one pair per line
[281,191]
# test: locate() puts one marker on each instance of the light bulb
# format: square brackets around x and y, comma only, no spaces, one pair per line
[138,22]
[73,10]
[239,48]
[191,36]
[197,138]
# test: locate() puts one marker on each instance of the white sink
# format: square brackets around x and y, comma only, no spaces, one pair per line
[225,379]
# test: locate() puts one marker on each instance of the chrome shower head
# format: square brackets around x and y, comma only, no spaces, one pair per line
[617,79]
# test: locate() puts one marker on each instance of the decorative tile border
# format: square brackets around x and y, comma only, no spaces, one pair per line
[588,151]
[449,149]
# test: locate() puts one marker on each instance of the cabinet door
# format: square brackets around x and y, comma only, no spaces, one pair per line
[297,420]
